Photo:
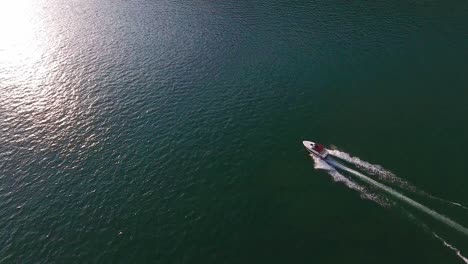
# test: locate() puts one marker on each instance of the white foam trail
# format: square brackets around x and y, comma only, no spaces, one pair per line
[451,247]
[374,169]
[442,218]
[428,230]
[386,175]
[319,164]
[338,177]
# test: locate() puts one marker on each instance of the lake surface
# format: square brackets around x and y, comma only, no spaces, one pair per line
[170,131]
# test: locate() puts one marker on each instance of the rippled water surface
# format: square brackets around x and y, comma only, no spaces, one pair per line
[170,131]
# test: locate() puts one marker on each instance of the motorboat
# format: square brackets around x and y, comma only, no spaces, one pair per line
[315,148]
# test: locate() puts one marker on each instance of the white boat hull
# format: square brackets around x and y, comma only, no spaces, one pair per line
[309,145]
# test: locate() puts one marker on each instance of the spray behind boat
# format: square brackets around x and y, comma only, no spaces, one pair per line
[326,159]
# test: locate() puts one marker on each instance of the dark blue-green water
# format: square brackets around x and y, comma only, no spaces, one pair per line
[170,131]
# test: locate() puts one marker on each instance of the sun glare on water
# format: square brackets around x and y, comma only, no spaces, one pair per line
[17,30]
[24,49]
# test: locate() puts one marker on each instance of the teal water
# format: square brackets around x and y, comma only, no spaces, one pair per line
[170,132]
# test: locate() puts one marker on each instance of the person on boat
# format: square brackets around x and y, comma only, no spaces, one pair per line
[319,148]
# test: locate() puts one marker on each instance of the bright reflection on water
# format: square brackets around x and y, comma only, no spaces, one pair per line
[26,52]
[22,43]
[37,103]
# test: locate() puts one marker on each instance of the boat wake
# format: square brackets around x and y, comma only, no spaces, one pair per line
[454,249]
[387,176]
[442,218]
[373,169]
[338,177]
[435,235]
[334,169]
